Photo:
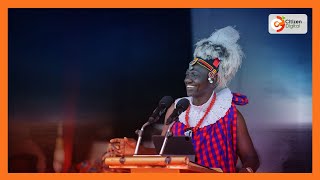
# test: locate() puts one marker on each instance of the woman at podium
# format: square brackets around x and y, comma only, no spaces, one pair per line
[218,130]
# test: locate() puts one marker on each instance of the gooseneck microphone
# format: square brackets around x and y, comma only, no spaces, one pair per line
[164,104]
[181,106]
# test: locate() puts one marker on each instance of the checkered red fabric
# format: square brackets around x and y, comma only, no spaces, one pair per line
[215,144]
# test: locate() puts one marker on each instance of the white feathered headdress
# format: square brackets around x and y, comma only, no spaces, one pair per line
[222,44]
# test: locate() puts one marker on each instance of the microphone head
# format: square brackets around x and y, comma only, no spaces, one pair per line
[164,104]
[183,104]
[166,101]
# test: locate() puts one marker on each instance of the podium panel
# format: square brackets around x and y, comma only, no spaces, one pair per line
[157,164]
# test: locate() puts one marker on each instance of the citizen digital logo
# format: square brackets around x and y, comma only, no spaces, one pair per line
[288,24]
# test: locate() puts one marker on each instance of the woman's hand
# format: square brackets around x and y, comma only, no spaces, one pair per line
[121,147]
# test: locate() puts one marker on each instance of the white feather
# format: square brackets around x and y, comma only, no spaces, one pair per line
[227,36]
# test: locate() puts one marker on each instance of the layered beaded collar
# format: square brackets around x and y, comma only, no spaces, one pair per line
[219,109]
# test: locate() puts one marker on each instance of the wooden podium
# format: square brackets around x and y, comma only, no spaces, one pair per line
[157,164]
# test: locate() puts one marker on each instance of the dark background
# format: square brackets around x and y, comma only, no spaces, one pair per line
[105,70]
[116,61]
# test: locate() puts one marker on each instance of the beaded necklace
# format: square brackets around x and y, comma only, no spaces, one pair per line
[189,130]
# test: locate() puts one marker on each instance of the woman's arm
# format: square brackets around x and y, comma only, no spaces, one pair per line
[245,148]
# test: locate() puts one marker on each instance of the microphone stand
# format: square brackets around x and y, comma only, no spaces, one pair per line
[139,132]
[168,134]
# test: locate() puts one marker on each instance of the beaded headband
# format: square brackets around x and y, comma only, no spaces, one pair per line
[211,65]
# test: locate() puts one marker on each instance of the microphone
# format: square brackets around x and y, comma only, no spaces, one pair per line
[181,106]
[164,104]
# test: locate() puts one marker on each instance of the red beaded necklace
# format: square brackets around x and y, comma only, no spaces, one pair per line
[202,119]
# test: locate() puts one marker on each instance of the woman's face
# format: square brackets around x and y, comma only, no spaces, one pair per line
[196,81]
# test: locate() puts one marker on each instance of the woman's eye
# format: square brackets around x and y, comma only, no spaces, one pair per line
[195,74]
[192,74]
